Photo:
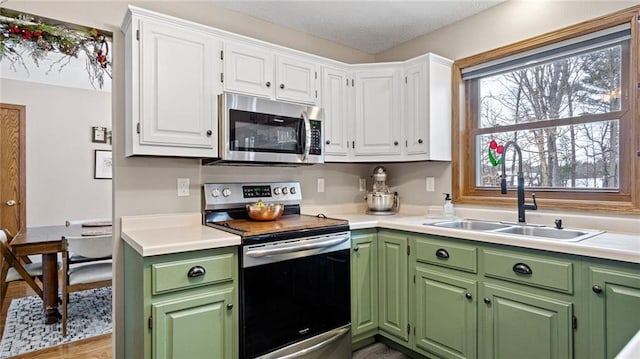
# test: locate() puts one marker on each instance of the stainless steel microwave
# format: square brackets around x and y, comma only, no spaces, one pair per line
[258,130]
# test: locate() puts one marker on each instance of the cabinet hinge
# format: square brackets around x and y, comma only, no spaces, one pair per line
[353,83]
[414,331]
[574,322]
[221,54]
[347,82]
[150,322]
[414,278]
[408,328]
[406,143]
[316,75]
[405,80]
[138,127]
[316,93]
[138,35]
[222,77]
[408,250]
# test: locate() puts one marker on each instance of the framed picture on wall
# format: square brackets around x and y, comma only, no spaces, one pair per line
[99,134]
[103,165]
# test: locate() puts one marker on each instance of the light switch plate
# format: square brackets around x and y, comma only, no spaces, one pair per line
[183,187]
[363,185]
[430,184]
[320,185]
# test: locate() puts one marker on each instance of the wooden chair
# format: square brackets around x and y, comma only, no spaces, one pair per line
[15,270]
[94,271]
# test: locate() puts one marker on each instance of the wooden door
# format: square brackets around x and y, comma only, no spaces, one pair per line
[12,168]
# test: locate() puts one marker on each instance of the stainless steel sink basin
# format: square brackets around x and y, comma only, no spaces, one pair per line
[542,232]
[471,225]
[568,235]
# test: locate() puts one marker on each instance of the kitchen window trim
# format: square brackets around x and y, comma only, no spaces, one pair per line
[626,200]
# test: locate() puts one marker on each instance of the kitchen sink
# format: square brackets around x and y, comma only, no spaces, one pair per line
[569,235]
[471,225]
[542,232]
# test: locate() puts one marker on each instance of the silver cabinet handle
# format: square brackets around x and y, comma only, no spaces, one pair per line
[11,203]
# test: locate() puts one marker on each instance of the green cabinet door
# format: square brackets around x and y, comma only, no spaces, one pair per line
[517,324]
[445,308]
[364,283]
[614,310]
[196,326]
[393,277]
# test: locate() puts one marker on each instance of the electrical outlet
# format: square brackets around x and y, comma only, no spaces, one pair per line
[430,184]
[183,187]
[320,185]
[363,185]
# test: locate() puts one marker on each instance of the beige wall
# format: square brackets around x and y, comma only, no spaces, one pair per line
[59,151]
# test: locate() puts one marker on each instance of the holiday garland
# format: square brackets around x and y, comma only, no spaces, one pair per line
[26,35]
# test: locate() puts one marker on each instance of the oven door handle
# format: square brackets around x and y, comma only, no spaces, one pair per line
[307,136]
[257,253]
[335,335]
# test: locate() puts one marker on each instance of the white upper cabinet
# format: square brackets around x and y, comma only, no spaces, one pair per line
[377,112]
[427,108]
[262,72]
[337,97]
[172,87]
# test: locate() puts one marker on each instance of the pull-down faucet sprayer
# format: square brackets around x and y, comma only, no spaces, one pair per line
[503,182]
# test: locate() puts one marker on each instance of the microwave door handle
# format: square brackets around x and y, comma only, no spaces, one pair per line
[307,136]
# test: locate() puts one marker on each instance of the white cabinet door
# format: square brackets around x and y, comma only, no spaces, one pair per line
[296,80]
[176,92]
[336,99]
[249,70]
[439,108]
[415,111]
[378,121]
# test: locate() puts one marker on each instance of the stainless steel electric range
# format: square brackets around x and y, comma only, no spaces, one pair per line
[294,273]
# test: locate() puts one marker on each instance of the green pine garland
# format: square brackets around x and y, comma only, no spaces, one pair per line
[26,35]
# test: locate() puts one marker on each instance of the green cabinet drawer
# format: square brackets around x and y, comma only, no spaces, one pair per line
[189,273]
[446,254]
[535,271]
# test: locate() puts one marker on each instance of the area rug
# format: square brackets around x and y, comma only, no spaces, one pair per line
[89,314]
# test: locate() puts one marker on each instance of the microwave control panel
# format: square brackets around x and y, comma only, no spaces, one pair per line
[316,138]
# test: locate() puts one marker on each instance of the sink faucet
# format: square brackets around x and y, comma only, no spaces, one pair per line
[503,183]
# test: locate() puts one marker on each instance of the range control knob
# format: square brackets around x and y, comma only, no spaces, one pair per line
[226,192]
[285,190]
[276,191]
[292,190]
[215,193]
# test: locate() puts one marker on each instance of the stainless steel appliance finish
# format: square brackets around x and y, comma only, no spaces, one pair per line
[260,131]
[380,200]
[294,273]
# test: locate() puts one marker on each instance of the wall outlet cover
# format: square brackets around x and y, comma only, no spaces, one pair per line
[430,184]
[320,185]
[183,187]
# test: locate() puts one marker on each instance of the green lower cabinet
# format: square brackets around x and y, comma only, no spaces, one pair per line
[199,326]
[393,275]
[516,324]
[614,309]
[364,284]
[445,314]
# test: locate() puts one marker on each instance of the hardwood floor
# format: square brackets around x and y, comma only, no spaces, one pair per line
[97,347]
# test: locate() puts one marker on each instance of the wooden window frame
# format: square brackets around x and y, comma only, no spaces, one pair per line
[626,200]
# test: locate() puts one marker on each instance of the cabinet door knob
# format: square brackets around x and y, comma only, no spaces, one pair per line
[197,271]
[328,142]
[487,300]
[596,289]
[11,202]
[355,249]
[209,132]
[282,86]
[522,268]
[395,143]
[442,253]
[420,140]
[268,84]
[468,295]
[230,306]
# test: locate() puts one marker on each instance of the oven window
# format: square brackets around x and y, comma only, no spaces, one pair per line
[261,132]
[285,302]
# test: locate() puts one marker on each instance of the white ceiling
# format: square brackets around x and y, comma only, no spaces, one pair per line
[366,25]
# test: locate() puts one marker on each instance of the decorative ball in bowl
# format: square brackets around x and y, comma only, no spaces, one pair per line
[261,211]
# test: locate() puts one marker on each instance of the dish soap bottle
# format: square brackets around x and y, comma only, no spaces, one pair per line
[448,206]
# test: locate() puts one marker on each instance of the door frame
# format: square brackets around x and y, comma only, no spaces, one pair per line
[22,183]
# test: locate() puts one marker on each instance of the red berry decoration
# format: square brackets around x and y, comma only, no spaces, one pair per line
[26,34]
[37,33]
[14,29]
[493,144]
[500,149]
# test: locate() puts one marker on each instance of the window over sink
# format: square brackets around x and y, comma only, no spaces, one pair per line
[569,99]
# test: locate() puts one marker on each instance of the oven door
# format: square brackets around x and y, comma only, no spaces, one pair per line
[290,298]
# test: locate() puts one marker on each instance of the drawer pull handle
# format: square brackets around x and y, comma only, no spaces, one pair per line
[355,249]
[522,268]
[596,289]
[230,306]
[197,271]
[442,253]
[487,300]
[468,295]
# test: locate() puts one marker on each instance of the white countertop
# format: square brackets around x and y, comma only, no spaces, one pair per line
[632,349]
[171,233]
